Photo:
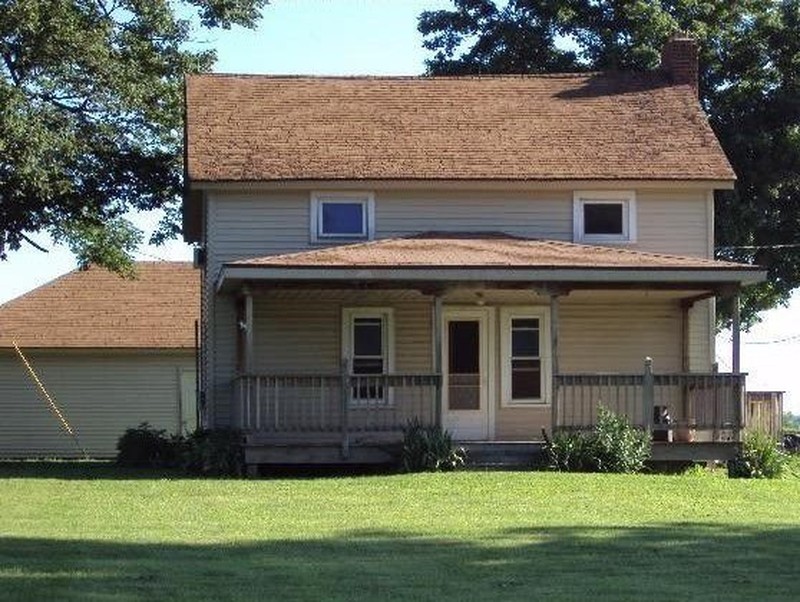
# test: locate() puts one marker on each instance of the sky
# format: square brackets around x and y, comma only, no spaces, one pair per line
[379,37]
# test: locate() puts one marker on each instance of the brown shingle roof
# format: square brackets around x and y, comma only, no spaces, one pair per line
[95,308]
[588,126]
[463,250]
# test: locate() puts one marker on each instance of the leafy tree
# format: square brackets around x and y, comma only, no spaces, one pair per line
[791,422]
[91,116]
[749,86]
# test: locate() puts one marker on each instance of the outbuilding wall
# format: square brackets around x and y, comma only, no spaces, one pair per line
[100,393]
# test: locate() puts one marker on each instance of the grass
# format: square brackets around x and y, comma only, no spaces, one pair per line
[89,532]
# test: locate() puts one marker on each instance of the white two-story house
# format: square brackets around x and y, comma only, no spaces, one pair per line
[495,254]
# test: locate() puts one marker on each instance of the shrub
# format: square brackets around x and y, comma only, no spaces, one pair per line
[618,446]
[760,457]
[613,445]
[217,452]
[567,451]
[147,447]
[429,448]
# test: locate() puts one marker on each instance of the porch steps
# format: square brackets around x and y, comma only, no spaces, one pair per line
[503,454]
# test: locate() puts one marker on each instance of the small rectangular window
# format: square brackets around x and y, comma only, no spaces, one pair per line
[526,365]
[342,219]
[604,217]
[342,216]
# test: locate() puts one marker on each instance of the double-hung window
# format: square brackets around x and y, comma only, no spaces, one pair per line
[525,338]
[342,216]
[604,216]
[367,341]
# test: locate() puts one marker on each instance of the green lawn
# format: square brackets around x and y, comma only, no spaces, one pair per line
[91,533]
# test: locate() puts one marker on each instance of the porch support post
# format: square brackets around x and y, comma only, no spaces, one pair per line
[648,394]
[436,329]
[737,335]
[554,327]
[248,329]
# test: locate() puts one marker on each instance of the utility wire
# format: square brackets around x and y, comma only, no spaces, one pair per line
[792,337]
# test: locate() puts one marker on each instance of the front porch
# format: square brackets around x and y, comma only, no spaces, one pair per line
[348,418]
[494,338]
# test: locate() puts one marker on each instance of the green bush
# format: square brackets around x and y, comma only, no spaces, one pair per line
[429,448]
[618,446]
[567,451]
[207,452]
[760,457]
[217,452]
[147,447]
[613,445]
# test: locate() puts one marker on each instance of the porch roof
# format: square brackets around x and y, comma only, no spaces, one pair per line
[436,257]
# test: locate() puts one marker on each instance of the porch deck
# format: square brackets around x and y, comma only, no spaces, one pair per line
[345,418]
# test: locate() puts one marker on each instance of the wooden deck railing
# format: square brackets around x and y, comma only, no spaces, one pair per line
[334,403]
[711,402]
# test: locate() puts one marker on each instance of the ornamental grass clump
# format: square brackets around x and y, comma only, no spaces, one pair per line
[429,449]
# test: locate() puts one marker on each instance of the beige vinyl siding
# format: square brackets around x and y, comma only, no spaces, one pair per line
[101,393]
[253,224]
[701,336]
[673,222]
[303,335]
[617,337]
[534,214]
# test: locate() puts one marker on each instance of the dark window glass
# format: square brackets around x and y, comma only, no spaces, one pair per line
[368,359]
[368,336]
[602,218]
[463,347]
[525,337]
[345,219]
[526,379]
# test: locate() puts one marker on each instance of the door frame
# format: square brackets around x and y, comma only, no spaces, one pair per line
[486,317]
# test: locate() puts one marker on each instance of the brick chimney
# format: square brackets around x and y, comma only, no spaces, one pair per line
[679,59]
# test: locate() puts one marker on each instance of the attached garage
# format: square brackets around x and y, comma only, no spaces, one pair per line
[111,353]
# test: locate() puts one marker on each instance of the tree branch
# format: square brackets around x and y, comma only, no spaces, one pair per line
[33,244]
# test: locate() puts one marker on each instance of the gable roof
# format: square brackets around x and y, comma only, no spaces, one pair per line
[95,308]
[546,127]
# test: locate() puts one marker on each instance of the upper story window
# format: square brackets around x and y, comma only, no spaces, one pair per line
[604,216]
[342,216]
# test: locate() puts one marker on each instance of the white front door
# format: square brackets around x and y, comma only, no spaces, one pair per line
[465,367]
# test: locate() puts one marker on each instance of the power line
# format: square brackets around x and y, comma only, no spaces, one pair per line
[792,337]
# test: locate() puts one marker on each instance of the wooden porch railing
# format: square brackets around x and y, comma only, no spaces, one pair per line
[710,402]
[340,403]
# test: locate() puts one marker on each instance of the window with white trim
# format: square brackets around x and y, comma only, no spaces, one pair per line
[367,345]
[604,216]
[525,369]
[342,216]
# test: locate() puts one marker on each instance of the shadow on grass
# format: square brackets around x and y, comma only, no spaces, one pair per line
[668,562]
[99,470]
[80,470]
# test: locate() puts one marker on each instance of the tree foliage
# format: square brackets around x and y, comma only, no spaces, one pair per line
[91,116]
[749,86]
